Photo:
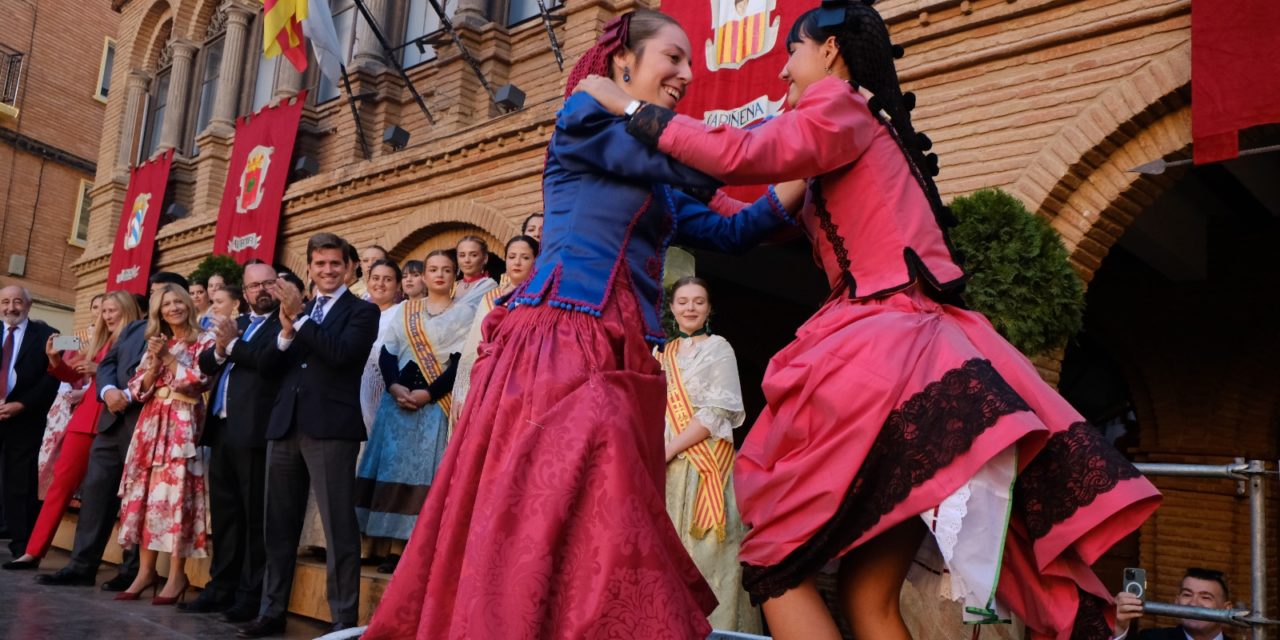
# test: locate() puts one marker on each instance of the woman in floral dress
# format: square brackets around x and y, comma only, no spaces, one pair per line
[162,491]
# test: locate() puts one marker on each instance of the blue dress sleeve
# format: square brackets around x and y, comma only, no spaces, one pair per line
[700,227]
[590,139]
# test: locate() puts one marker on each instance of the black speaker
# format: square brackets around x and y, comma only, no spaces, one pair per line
[305,167]
[176,211]
[396,137]
[509,97]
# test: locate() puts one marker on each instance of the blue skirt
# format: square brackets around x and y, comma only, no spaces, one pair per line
[398,466]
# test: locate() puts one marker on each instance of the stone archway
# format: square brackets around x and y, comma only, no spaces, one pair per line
[150,36]
[443,224]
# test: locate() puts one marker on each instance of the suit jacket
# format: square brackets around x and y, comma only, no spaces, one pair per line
[35,387]
[321,371]
[251,392]
[117,369]
[1171,633]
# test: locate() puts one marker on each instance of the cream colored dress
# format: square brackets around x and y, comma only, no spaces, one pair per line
[710,373]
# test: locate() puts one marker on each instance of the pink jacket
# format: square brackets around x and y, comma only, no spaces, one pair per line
[872,229]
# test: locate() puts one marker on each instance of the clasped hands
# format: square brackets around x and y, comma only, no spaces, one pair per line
[291,305]
[409,400]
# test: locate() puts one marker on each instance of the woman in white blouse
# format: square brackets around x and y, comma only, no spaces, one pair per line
[704,405]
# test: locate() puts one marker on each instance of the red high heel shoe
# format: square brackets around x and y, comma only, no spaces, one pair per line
[160,601]
[154,585]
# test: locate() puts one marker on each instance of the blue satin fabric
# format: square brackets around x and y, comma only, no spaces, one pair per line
[609,205]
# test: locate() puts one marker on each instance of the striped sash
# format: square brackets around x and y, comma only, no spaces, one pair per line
[424,353]
[713,457]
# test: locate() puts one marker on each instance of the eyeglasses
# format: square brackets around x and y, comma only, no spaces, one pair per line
[259,285]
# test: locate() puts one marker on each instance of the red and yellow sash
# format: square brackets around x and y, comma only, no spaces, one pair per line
[713,457]
[415,327]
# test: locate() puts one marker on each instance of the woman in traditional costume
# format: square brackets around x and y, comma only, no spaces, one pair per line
[383,289]
[418,360]
[520,254]
[162,490]
[66,467]
[895,410]
[704,406]
[546,519]
[473,260]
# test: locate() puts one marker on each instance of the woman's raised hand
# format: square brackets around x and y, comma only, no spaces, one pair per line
[606,92]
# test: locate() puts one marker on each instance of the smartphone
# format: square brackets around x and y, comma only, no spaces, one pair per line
[66,343]
[1135,582]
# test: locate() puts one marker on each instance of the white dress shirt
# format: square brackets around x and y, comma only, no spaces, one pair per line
[19,332]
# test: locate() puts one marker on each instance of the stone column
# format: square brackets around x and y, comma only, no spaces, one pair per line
[175,115]
[135,94]
[231,69]
[471,13]
[368,51]
[288,81]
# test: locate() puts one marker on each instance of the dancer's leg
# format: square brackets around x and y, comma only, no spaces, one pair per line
[800,614]
[871,579]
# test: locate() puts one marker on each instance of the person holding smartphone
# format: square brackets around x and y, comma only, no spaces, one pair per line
[117,311]
[1205,588]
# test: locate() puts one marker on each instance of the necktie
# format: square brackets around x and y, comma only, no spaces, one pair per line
[220,392]
[317,312]
[6,359]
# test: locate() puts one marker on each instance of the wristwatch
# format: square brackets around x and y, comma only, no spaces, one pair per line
[632,108]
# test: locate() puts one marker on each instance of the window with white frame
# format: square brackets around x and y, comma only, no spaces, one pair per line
[104,70]
[80,224]
[422,20]
[521,10]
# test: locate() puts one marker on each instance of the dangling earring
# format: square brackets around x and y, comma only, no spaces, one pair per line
[827,69]
[626,74]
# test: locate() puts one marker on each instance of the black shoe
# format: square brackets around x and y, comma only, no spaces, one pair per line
[207,602]
[390,565]
[66,578]
[21,565]
[118,583]
[262,627]
[241,613]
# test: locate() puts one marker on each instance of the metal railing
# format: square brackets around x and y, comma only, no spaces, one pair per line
[1252,476]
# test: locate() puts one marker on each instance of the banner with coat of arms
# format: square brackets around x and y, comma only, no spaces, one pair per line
[249,218]
[739,50]
[136,237]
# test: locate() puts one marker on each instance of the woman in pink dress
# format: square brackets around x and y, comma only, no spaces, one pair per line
[546,519]
[896,411]
[162,491]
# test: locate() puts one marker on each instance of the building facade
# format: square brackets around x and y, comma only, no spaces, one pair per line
[55,81]
[1054,101]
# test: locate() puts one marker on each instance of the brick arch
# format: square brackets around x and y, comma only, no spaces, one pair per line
[193,18]
[1083,156]
[151,35]
[418,225]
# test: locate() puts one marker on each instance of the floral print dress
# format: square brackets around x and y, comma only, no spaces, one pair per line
[162,493]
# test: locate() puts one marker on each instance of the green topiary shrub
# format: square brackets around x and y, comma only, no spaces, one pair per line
[225,266]
[1019,274]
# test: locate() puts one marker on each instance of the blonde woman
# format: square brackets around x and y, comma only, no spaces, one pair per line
[67,468]
[162,490]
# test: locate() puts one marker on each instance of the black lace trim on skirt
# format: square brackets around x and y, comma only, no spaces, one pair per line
[923,436]
[1074,468]
[1091,619]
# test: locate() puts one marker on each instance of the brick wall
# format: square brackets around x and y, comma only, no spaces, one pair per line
[62,44]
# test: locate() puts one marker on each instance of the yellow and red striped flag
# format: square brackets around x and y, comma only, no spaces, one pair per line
[282,31]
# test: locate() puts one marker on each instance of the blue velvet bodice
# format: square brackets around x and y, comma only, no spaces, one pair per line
[609,204]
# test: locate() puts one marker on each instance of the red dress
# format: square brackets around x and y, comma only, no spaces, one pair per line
[890,406]
[547,519]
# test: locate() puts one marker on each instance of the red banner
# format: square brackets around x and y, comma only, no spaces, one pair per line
[249,218]
[1235,73]
[136,238]
[739,49]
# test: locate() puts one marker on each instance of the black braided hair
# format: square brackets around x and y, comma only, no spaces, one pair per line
[863,40]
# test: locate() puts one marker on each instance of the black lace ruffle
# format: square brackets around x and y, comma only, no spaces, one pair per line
[918,439]
[647,124]
[1074,468]
[1091,619]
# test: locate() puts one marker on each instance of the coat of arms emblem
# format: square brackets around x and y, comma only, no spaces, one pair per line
[137,218]
[253,179]
[741,32]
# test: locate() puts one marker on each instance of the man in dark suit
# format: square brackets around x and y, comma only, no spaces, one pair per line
[1204,588]
[99,502]
[26,392]
[239,409]
[315,432]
